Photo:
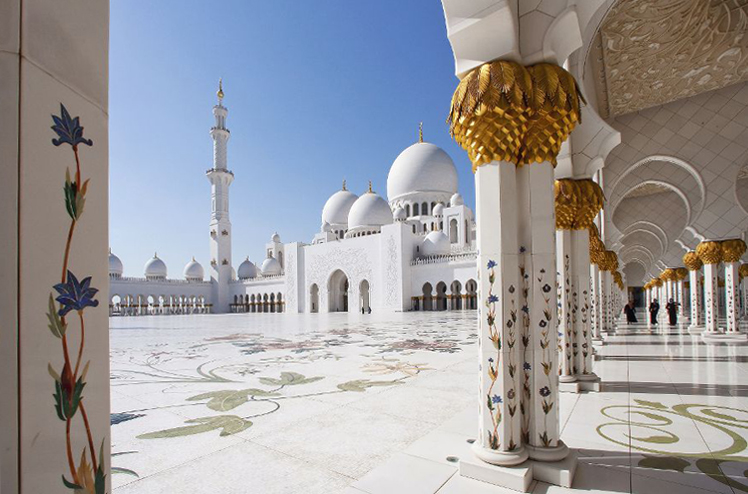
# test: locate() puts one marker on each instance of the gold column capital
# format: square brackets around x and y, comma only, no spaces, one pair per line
[555,112]
[732,249]
[577,203]
[692,261]
[743,271]
[490,111]
[681,274]
[710,252]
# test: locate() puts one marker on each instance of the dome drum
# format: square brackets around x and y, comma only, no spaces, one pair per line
[155,269]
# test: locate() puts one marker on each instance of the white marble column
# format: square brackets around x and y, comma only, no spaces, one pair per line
[681,291]
[732,251]
[693,264]
[604,300]
[710,253]
[500,441]
[566,302]
[744,285]
[582,323]
[595,301]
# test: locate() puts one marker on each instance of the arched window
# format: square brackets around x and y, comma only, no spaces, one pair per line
[415,210]
[453,231]
[425,208]
[407,210]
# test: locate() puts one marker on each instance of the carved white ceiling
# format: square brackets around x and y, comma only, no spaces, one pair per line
[652,52]
[647,189]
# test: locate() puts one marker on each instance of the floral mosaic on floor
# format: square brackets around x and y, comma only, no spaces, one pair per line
[215,377]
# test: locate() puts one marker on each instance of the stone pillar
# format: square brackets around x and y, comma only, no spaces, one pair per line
[681,275]
[513,148]
[693,263]
[565,300]
[595,301]
[732,251]
[710,253]
[500,441]
[743,271]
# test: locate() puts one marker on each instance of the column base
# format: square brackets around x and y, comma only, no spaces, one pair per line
[548,454]
[567,379]
[501,458]
[596,340]
[569,387]
[696,329]
[558,472]
[583,382]
[517,478]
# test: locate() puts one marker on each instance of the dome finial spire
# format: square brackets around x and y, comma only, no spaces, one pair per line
[220,90]
[344,188]
[420,132]
[370,190]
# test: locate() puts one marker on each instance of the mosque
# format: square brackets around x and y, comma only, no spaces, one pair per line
[414,250]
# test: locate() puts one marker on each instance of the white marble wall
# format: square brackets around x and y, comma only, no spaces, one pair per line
[51,53]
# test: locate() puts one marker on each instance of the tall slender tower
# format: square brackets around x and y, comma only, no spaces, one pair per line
[220,224]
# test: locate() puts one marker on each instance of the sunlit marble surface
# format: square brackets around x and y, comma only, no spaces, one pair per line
[385,403]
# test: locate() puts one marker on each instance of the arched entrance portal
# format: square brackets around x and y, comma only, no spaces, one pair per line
[364,297]
[337,290]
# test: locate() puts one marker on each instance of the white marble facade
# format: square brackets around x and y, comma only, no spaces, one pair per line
[414,251]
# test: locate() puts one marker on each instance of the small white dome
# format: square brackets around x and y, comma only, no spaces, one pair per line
[193,271]
[438,210]
[456,200]
[275,238]
[326,227]
[369,210]
[155,268]
[422,167]
[115,265]
[270,267]
[247,269]
[338,206]
[400,214]
[436,243]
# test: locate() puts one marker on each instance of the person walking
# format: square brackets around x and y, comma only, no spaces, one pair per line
[630,312]
[654,308]
[672,311]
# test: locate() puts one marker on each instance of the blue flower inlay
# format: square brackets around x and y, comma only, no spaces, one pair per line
[68,129]
[75,295]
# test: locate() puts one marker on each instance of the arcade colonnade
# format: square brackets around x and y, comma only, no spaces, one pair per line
[697,285]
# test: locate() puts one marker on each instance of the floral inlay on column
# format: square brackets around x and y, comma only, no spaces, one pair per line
[74,295]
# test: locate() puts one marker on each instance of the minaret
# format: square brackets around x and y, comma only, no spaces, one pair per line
[220,225]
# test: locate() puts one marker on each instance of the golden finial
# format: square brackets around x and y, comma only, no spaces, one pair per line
[370,191]
[344,188]
[420,132]
[220,89]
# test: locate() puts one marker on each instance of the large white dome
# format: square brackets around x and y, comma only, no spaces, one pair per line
[422,167]
[247,270]
[155,268]
[193,271]
[369,210]
[338,206]
[436,243]
[115,265]
[270,267]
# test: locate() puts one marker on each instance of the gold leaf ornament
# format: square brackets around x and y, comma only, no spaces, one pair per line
[710,252]
[743,271]
[681,274]
[692,261]
[566,202]
[733,249]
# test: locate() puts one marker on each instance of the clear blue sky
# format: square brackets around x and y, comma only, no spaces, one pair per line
[317,91]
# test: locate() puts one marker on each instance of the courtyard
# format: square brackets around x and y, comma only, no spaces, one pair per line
[333,403]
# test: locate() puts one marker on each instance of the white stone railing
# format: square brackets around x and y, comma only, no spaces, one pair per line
[464,256]
[260,277]
[134,279]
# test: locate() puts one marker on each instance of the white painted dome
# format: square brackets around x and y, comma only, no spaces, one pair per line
[270,267]
[115,265]
[338,206]
[369,210]
[438,210]
[194,271]
[326,227]
[422,167]
[275,238]
[456,200]
[247,269]
[155,268]
[400,214]
[436,243]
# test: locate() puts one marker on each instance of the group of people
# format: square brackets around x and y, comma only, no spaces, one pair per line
[654,308]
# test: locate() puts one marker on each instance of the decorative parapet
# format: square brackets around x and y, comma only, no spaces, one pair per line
[463,257]
[260,278]
[134,279]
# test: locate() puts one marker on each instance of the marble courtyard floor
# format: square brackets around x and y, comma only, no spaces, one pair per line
[339,403]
